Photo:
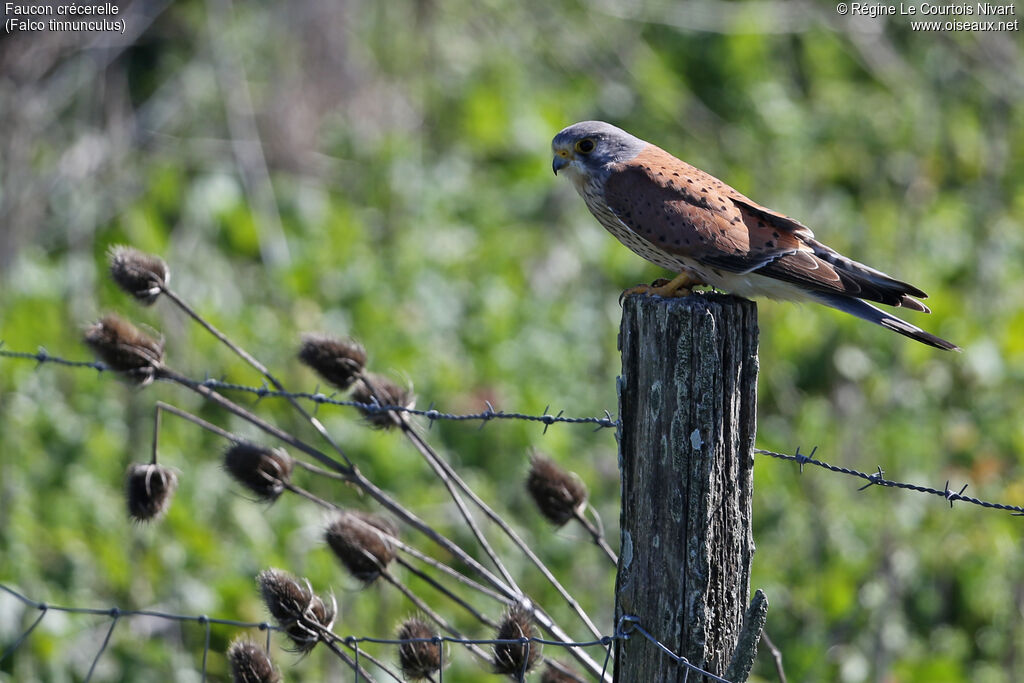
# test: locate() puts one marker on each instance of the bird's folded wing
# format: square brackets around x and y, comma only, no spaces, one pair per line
[686,212]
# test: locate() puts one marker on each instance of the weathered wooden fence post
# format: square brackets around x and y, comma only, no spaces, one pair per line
[687,401]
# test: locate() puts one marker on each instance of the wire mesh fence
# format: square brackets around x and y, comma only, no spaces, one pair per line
[627,627]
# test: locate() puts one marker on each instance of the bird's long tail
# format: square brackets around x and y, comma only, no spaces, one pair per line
[866,311]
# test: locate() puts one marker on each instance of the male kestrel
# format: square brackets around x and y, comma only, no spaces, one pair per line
[683,219]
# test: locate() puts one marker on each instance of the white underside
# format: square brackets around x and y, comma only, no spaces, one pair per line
[752,285]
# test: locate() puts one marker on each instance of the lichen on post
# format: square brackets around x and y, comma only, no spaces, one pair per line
[687,409]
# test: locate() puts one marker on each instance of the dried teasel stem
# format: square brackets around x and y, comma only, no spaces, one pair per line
[433,583]
[264,471]
[338,361]
[148,490]
[371,390]
[451,479]
[556,672]
[300,612]
[596,534]
[362,543]
[139,274]
[454,484]
[125,348]
[516,659]
[422,657]
[354,477]
[445,569]
[443,623]
[377,390]
[262,369]
[364,484]
[250,663]
[331,643]
[559,494]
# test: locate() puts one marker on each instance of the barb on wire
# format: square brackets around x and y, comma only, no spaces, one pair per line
[431,414]
[626,627]
[318,398]
[878,479]
[43,356]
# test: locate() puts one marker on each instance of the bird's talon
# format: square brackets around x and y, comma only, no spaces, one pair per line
[681,285]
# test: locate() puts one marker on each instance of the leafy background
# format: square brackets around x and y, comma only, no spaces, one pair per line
[383,170]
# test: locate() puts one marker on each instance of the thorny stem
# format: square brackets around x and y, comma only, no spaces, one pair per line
[482,618]
[458,576]
[443,623]
[350,471]
[408,549]
[319,470]
[194,419]
[432,615]
[441,468]
[262,369]
[776,655]
[441,472]
[355,477]
[438,463]
[156,431]
[161,406]
[432,455]
[352,474]
[330,642]
[596,535]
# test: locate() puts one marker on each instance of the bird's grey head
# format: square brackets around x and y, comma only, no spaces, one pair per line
[586,148]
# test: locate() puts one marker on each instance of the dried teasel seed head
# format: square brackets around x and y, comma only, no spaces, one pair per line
[378,389]
[552,674]
[148,490]
[125,348]
[557,493]
[337,361]
[360,542]
[298,610]
[250,663]
[140,274]
[418,659]
[264,471]
[516,658]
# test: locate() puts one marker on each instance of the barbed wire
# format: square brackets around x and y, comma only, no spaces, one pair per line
[878,479]
[626,627]
[42,356]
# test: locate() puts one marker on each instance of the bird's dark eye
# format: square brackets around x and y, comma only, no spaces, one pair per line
[585,146]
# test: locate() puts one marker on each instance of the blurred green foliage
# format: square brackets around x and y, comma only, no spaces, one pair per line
[411,204]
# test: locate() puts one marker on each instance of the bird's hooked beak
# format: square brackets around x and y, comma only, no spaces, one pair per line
[562,159]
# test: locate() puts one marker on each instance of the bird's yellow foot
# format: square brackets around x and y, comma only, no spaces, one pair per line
[680,285]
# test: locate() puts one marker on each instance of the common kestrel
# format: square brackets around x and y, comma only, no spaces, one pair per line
[683,219]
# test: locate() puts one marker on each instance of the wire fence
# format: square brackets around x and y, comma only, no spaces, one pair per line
[42,356]
[607,421]
[878,479]
[627,627]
